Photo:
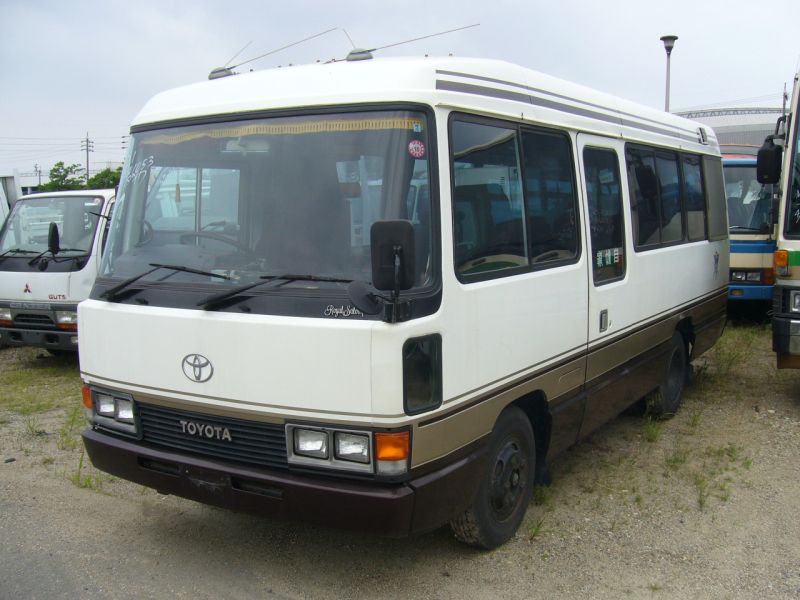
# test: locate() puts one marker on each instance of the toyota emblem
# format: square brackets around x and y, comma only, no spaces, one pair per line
[197,368]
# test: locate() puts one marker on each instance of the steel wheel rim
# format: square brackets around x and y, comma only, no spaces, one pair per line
[509,476]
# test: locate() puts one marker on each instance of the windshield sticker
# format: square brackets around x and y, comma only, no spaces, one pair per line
[416,149]
[139,170]
[290,128]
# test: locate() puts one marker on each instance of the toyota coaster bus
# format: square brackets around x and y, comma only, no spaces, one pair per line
[382,293]
[50,246]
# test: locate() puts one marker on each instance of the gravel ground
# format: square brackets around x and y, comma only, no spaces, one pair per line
[705,505]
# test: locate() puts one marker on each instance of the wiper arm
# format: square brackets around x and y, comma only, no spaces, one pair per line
[217,300]
[15,251]
[111,293]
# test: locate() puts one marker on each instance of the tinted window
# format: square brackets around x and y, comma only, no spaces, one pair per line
[605,214]
[643,185]
[550,197]
[669,185]
[695,198]
[488,211]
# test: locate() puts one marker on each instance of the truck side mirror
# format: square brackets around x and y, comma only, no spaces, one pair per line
[768,167]
[392,255]
[53,241]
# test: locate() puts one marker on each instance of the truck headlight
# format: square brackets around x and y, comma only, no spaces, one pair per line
[794,301]
[67,319]
[5,316]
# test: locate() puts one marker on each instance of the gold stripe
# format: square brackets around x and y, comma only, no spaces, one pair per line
[292,128]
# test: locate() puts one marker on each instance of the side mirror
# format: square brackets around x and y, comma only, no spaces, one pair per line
[392,255]
[53,241]
[768,167]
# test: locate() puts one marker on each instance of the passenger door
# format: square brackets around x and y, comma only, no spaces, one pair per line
[611,295]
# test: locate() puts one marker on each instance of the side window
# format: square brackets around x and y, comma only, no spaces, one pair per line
[606,222]
[171,199]
[489,225]
[219,200]
[643,185]
[669,186]
[695,198]
[107,227]
[715,194]
[550,197]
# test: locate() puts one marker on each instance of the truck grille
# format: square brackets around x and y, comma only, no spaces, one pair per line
[251,442]
[33,320]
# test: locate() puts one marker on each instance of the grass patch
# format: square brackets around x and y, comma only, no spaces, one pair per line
[30,385]
[67,433]
[651,430]
[85,480]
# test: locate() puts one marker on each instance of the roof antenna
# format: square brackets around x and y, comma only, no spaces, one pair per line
[366,54]
[220,72]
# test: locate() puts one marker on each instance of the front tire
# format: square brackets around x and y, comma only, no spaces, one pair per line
[505,489]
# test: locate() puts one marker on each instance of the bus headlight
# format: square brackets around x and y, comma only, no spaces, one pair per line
[352,446]
[311,442]
[5,316]
[111,410]
[347,450]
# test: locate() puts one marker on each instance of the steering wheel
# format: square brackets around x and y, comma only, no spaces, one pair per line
[185,237]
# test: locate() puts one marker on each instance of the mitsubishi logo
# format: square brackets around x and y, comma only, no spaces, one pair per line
[197,368]
[27,289]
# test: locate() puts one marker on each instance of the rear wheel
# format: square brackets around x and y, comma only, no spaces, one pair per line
[665,400]
[505,490]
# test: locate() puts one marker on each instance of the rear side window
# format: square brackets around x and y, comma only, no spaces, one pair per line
[695,198]
[715,195]
[606,221]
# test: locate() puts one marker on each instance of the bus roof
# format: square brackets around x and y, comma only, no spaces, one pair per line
[476,85]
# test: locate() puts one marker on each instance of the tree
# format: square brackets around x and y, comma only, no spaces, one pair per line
[105,179]
[64,178]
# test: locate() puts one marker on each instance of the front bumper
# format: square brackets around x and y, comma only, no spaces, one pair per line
[749,292]
[397,510]
[51,339]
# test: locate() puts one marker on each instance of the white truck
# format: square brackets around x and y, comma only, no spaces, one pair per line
[50,246]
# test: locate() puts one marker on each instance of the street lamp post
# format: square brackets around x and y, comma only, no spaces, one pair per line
[669,44]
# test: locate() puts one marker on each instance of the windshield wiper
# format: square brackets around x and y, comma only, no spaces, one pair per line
[15,251]
[111,293]
[39,256]
[217,300]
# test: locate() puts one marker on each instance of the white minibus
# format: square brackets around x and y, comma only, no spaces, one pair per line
[383,293]
[50,246]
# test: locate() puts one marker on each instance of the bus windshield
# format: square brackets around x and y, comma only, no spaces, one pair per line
[254,198]
[748,200]
[793,199]
[26,229]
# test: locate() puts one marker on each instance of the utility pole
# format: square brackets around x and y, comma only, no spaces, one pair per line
[87,145]
[38,171]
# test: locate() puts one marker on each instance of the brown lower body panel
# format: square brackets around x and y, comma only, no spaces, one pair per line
[394,510]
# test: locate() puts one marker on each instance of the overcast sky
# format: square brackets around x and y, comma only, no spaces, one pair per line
[75,67]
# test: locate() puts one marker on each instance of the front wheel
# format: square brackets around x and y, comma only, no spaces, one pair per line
[505,489]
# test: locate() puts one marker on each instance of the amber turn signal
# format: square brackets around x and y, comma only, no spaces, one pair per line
[781,258]
[87,397]
[392,446]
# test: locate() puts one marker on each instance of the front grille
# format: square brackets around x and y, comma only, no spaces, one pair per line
[33,319]
[252,442]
